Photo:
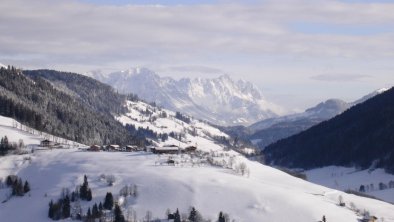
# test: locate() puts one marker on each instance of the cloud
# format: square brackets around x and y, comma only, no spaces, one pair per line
[196,69]
[74,32]
[254,41]
[340,77]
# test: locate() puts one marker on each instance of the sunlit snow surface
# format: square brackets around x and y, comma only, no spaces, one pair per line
[266,195]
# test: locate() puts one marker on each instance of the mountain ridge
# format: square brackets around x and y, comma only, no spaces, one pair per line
[361,136]
[220,100]
[271,130]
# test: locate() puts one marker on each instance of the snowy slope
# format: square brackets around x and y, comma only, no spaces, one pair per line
[16,131]
[266,195]
[219,100]
[196,133]
[343,178]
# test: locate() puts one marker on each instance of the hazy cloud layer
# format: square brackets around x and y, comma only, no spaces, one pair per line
[239,38]
[340,77]
[84,32]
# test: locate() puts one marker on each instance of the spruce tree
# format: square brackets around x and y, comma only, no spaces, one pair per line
[88,215]
[193,215]
[221,217]
[26,187]
[118,214]
[100,209]
[177,216]
[89,195]
[83,191]
[51,212]
[95,211]
[73,197]
[109,201]
[66,207]
[20,188]
[10,180]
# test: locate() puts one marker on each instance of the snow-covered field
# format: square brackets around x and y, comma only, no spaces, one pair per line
[343,178]
[262,194]
[266,195]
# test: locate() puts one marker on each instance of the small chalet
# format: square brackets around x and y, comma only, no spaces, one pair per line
[171,149]
[95,148]
[190,149]
[113,147]
[131,148]
[47,143]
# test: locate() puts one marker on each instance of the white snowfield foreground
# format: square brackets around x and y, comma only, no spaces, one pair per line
[266,195]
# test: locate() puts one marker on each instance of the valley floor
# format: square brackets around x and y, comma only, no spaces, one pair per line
[343,178]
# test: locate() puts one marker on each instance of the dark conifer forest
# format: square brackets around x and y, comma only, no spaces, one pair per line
[362,136]
[67,105]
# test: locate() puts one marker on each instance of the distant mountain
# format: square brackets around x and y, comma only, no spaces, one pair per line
[268,131]
[271,130]
[361,136]
[221,100]
[321,111]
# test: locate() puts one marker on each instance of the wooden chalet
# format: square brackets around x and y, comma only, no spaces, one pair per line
[190,149]
[47,143]
[95,148]
[113,147]
[131,148]
[171,149]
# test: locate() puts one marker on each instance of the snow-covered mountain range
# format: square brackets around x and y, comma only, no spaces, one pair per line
[221,100]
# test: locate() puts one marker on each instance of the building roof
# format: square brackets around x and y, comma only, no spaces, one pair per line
[166,148]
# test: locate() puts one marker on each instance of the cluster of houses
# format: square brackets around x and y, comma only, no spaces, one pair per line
[167,149]
[115,148]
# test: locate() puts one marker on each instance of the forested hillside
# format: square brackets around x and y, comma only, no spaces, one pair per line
[362,136]
[98,96]
[80,113]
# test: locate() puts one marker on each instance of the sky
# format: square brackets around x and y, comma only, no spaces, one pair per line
[298,52]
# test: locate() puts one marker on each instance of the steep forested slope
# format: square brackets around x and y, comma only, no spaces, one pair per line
[361,136]
[96,95]
[74,114]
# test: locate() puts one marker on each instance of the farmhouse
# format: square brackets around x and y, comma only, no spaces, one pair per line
[171,149]
[131,148]
[95,148]
[190,149]
[113,147]
[47,143]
